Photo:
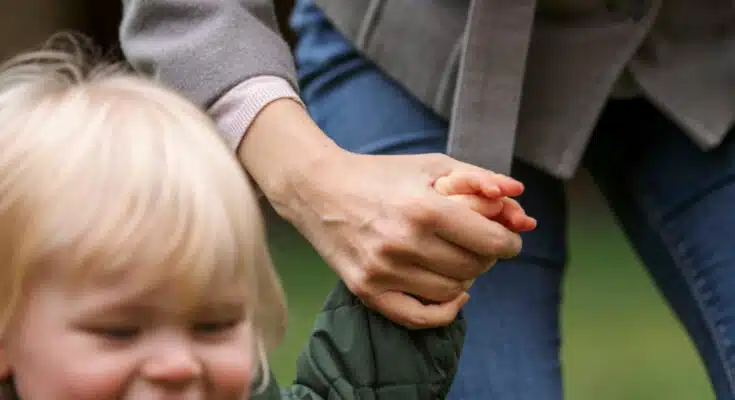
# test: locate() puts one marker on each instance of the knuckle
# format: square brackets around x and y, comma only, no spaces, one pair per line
[453,289]
[373,270]
[361,289]
[364,281]
[419,211]
[474,267]
[438,158]
[394,241]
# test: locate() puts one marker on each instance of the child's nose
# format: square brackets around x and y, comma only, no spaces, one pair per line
[173,364]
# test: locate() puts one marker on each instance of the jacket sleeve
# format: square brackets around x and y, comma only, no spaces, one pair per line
[357,354]
[204,48]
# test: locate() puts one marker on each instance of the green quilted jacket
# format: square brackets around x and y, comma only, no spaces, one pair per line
[356,354]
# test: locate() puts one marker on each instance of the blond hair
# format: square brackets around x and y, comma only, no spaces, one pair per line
[105,169]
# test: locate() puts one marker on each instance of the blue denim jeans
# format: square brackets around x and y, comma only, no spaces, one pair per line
[675,203]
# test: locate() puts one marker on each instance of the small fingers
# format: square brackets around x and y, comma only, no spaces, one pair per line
[504,210]
[514,217]
[487,207]
[478,181]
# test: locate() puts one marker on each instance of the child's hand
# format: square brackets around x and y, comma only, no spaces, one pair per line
[492,199]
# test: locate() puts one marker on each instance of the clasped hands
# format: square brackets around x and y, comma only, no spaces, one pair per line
[408,234]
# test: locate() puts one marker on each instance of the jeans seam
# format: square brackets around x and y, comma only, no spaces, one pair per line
[680,261]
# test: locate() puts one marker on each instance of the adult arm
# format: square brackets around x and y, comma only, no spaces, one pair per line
[376,220]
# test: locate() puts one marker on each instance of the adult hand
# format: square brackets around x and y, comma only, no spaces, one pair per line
[376,220]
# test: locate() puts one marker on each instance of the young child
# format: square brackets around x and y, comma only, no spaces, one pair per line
[133,262]
[132,257]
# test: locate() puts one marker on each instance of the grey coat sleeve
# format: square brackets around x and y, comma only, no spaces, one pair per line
[203,48]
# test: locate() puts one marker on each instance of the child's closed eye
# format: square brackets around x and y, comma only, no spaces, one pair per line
[115,333]
[216,326]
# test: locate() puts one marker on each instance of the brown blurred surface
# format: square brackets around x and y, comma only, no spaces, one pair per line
[25,24]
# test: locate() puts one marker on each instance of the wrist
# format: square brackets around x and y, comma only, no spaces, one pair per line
[282,147]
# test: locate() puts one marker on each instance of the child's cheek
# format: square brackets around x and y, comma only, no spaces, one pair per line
[79,384]
[233,374]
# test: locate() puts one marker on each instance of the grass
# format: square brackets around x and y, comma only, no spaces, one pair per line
[620,339]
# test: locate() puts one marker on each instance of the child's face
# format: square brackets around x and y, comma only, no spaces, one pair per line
[103,341]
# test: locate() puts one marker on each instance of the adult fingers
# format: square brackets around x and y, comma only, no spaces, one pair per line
[429,285]
[473,232]
[411,313]
[424,249]
[474,180]
[514,217]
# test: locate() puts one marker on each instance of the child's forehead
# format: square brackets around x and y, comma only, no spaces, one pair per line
[138,281]
[154,259]
[150,293]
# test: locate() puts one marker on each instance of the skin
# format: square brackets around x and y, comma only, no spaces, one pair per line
[461,186]
[385,231]
[111,341]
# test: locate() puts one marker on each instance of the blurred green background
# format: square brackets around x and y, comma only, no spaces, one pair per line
[620,339]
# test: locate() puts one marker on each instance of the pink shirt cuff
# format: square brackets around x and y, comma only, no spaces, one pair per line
[236,109]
